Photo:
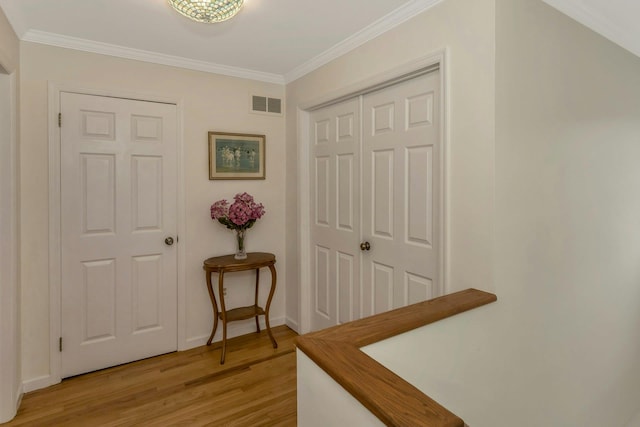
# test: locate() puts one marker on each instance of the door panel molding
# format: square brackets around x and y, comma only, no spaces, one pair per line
[404,188]
[55,239]
[438,59]
[335,178]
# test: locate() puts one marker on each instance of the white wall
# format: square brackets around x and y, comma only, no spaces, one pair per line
[209,102]
[323,402]
[568,236]
[635,421]
[10,380]
[466,29]
[561,346]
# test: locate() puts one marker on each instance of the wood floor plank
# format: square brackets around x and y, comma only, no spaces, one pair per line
[255,387]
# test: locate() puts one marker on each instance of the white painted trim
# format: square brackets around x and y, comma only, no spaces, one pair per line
[579,11]
[382,25]
[292,324]
[445,165]
[379,79]
[55,238]
[37,383]
[304,225]
[10,389]
[17,245]
[235,329]
[441,58]
[84,45]
[18,395]
[182,230]
[361,207]
[55,241]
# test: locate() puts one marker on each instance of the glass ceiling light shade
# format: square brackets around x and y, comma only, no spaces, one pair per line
[207,11]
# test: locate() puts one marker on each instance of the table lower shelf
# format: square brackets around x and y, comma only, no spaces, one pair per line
[243,313]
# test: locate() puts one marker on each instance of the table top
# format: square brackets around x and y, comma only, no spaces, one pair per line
[229,263]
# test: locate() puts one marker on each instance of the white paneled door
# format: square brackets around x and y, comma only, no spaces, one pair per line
[335,213]
[401,194]
[118,201]
[375,202]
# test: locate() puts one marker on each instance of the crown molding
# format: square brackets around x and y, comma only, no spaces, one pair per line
[382,25]
[146,56]
[596,22]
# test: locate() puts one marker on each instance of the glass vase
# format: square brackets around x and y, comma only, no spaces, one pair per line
[241,250]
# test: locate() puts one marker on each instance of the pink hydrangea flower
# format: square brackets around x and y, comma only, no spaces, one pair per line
[219,209]
[240,215]
[244,197]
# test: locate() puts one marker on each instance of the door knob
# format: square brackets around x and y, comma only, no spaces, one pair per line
[168,241]
[365,246]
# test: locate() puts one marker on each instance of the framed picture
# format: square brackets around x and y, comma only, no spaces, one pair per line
[236,156]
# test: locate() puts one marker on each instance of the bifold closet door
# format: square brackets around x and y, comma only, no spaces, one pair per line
[375,202]
[401,194]
[335,214]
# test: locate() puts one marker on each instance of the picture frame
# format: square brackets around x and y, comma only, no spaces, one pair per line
[236,156]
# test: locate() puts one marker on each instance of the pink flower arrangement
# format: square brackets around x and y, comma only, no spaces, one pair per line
[240,215]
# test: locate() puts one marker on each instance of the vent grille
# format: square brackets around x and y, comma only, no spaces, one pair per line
[263,104]
[274,105]
[260,103]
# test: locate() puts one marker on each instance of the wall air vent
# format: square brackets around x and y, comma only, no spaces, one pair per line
[264,104]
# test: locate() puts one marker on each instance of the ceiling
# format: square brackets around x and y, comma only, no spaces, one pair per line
[269,40]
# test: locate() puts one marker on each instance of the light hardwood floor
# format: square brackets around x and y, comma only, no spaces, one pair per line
[255,387]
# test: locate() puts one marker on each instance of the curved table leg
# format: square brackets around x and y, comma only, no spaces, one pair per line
[212,296]
[223,314]
[266,311]
[256,300]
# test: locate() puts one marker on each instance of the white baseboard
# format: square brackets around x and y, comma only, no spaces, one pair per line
[234,329]
[7,414]
[19,394]
[11,412]
[38,383]
[292,324]
[194,342]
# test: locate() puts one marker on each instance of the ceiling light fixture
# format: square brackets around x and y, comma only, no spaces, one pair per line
[207,11]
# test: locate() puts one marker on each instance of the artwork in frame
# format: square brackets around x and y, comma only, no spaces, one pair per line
[236,156]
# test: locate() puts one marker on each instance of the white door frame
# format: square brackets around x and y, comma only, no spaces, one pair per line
[383,79]
[55,239]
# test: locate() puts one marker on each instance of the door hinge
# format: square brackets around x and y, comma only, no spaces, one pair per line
[59,120]
[60,344]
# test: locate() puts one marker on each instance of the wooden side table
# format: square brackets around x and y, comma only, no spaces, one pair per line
[227,264]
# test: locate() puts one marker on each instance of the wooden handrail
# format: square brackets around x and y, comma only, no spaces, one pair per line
[390,398]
